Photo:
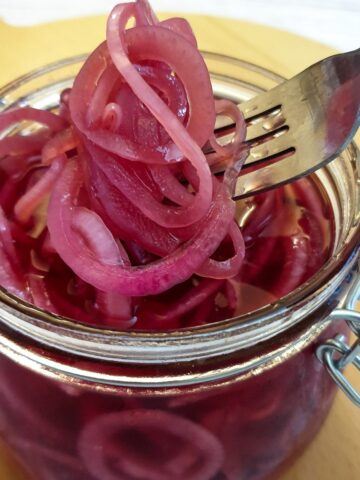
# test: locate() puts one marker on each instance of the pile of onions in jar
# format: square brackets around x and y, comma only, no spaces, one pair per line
[114,191]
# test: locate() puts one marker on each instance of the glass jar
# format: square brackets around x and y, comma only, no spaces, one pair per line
[236,400]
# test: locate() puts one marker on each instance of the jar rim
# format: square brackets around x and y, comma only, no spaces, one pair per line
[178,345]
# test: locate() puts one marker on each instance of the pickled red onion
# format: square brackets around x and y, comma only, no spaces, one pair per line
[61,143]
[230,267]
[10,279]
[133,281]
[206,452]
[133,208]
[108,252]
[26,205]
[124,179]
[23,145]
[98,237]
[11,117]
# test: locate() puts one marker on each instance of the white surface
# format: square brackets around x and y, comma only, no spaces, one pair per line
[334,22]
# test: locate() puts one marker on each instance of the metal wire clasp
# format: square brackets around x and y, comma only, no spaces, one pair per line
[336,354]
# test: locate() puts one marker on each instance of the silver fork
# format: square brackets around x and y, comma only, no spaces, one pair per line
[300,125]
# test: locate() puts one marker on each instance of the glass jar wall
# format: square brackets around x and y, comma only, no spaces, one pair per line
[232,400]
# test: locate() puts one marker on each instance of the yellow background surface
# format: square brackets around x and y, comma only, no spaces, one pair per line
[335,453]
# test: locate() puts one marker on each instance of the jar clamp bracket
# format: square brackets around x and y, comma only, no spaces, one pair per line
[335,353]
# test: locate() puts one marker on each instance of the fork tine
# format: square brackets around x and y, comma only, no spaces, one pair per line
[271,148]
[276,174]
[223,123]
[264,103]
[320,108]
[224,126]
[265,127]
[253,136]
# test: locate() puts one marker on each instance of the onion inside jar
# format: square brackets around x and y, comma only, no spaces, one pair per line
[111,216]
[136,231]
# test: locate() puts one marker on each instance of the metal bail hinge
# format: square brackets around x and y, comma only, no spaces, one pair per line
[335,353]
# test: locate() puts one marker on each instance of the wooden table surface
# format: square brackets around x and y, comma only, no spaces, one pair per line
[335,453]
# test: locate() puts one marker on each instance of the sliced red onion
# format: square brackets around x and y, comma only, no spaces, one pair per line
[98,237]
[127,176]
[40,294]
[185,60]
[139,125]
[307,196]
[64,305]
[206,453]
[122,176]
[125,219]
[11,280]
[28,203]
[44,454]
[64,111]
[258,258]
[132,281]
[231,110]
[189,67]
[182,27]
[6,239]
[170,186]
[296,254]
[187,302]
[232,294]
[62,142]
[263,206]
[112,116]
[10,117]
[11,274]
[100,97]
[144,14]
[230,267]
[16,166]
[145,42]
[23,145]
[138,255]
[115,307]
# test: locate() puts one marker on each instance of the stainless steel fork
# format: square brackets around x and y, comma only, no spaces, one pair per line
[300,125]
